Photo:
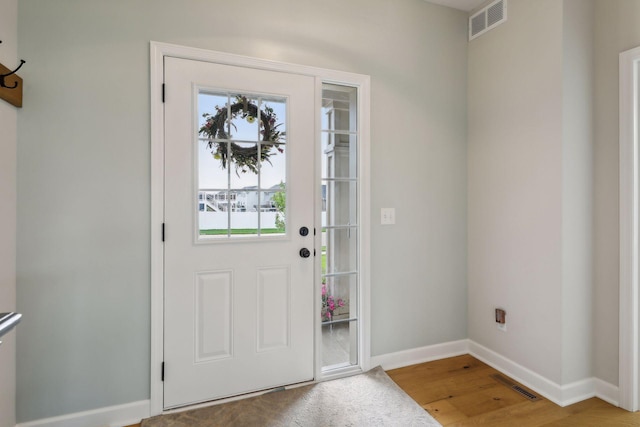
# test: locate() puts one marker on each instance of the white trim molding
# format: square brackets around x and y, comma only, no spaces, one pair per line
[414,356]
[607,392]
[158,51]
[157,220]
[629,375]
[562,395]
[112,416]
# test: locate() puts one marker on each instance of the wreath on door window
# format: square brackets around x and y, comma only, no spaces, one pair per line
[217,130]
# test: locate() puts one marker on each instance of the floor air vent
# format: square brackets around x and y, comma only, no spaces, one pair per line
[515,387]
[487,18]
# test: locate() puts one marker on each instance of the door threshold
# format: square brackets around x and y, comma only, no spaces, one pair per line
[229,399]
[334,373]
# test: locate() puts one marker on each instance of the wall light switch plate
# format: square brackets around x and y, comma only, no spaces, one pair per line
[387,216]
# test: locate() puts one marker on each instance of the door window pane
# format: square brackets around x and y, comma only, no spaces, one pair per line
[343,209]
[343,146]
[339,345]
[241,163]
[339,297]
[342,250]
[339,112]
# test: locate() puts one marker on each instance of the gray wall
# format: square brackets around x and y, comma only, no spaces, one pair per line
[543,184]
[8,137]
[577,189]
[616,30]
[515,149]
[83,173]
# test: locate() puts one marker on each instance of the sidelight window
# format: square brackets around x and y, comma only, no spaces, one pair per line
[340,227]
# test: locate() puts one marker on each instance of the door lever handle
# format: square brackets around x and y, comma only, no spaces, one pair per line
[304,253]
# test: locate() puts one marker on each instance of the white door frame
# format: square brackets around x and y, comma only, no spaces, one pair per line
[629,369]
[157,53]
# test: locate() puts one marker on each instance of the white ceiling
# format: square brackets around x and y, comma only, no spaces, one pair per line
[466,5]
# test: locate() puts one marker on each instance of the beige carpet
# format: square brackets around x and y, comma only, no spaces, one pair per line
[370,399]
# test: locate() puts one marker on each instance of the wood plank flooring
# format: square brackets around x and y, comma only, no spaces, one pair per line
[460,391]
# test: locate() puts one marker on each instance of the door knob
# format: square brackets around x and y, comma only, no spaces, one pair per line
[304,231]
[304,253]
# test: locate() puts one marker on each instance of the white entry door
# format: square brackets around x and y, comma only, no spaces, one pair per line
[239,181]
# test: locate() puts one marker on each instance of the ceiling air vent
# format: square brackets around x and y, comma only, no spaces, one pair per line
[487,18]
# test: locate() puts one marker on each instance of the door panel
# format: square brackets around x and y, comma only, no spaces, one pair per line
[213,327]
[238,307]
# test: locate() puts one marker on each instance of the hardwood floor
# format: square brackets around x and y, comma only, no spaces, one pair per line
[460,391]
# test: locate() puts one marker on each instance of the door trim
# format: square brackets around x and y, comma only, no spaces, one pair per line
[157,53]
[629,369]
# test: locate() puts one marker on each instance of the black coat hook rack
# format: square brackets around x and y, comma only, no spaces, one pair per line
[3,76]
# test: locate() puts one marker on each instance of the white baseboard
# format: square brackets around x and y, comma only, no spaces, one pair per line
[132,413]
[607,392]
[112,416]
[562,395]
[524,376]
[420,355]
